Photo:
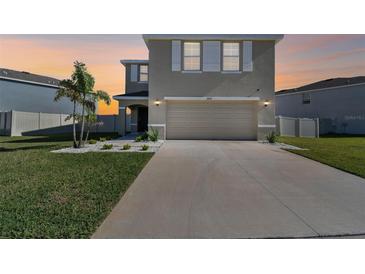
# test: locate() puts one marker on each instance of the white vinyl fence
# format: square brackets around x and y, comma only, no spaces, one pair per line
[17,123]
[297,127]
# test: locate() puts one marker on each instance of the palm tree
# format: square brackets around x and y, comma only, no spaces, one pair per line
[79,89]
[84,82]
[69,90]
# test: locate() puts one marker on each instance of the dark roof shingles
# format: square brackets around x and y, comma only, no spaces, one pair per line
[26,76]
[329,83]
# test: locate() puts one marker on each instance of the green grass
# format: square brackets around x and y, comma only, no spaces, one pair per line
[342,152]
[48,195]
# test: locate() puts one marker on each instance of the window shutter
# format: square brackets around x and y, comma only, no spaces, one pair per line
[176,55]
[211,56]
[247,56]
[134,73]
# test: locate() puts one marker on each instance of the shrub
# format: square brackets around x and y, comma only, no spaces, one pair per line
[145,147]
[153,135]
[271,137]
[92,142]
[138,139]
[126,146]
[102,139]
[107,146]
[144,136]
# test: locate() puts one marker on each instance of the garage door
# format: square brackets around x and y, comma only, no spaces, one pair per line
[224,120]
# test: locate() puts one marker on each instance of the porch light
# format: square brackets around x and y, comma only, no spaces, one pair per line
[157,102]
[266,103]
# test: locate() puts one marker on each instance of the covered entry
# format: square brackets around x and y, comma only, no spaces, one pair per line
[133,112]
[211,119]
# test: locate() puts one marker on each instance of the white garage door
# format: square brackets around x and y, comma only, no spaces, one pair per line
[224,120]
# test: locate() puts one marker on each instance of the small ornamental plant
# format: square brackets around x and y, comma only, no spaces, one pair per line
[92,142]
[126,147]
[145,147]
[138,139]
[271,137]
[107,146]
[144,136]
[102,139]
[153,135]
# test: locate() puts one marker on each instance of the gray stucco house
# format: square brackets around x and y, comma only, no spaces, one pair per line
[24,91]
[338,103]
[202,87]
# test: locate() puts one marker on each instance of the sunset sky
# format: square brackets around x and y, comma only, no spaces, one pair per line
[300,59]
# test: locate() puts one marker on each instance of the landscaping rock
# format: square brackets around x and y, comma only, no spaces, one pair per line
[117,147]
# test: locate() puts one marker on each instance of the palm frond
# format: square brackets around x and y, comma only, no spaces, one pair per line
[103,96]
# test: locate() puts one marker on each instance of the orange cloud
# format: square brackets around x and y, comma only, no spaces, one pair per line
[54,56]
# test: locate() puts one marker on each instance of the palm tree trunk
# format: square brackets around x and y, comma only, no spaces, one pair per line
[74,125]
[87,133]
[82,122]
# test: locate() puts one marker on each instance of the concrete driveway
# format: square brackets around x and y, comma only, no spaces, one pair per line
[227,189]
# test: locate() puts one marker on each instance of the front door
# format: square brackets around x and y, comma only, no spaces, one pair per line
[142,119]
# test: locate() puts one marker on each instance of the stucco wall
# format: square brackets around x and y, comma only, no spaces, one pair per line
[133,86]
[163,82]
[336,106]
[31,98]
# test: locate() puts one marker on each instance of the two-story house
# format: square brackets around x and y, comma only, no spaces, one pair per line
[202,87]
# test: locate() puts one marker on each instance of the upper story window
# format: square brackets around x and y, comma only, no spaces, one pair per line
[192,56]
[306,98]
[231,56]
[143,73]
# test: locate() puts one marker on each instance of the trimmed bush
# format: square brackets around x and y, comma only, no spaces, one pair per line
[145,147]
[139,139]
[126,147]
[92,142]
[107,146]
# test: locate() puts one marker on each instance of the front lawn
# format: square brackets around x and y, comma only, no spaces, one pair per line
[48,195]
[342,152]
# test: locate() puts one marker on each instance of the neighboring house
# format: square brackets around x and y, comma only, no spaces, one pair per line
[202,87]
[338,103]
[24,91]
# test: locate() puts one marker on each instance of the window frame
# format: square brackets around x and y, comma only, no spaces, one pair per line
[237,56]
[194,56]
[144,73]
[306,98]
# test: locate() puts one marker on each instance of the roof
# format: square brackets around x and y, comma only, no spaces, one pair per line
[261,37]
[328,83]
[143,93]
[27,77]
[125,62]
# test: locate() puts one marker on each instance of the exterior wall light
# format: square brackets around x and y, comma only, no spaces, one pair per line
[266,103]
[157,102]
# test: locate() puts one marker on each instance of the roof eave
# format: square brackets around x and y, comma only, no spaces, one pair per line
[125,62]
[254,37]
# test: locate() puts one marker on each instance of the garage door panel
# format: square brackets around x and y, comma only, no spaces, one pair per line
[210,116]
[211,120]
